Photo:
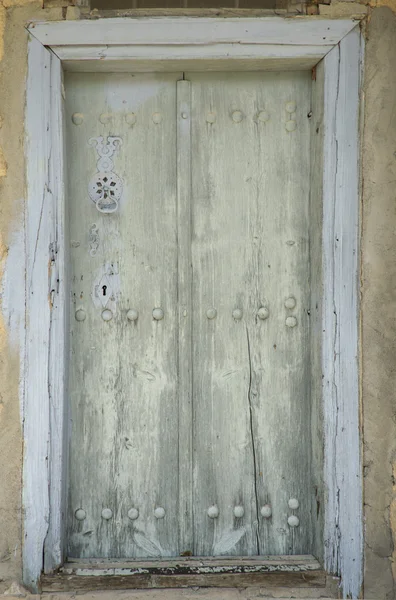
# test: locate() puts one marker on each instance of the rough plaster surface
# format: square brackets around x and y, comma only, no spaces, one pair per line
[378,306]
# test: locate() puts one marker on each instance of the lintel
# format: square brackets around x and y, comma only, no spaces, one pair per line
[177,31]
[191,43]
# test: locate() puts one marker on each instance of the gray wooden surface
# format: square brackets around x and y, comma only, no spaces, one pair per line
[250,199]
[190,413]
[123,374]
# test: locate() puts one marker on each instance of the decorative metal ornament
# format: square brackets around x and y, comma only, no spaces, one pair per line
[93,239]
[105,187]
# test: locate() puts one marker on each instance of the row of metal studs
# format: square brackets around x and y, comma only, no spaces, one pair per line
[158,315]
[237,116]
[212,512]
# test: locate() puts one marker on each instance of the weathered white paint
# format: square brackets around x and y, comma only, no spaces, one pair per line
[212,57]
[36,480]
[342,453]
[251,251]
[304,31]
[192,565]
[59,326]
[40,221]
[316,224]
[185,364]
[123,374]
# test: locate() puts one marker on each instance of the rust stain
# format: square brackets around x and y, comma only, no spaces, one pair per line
[313,77]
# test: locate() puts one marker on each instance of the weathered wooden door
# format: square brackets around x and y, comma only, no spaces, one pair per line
[190,289]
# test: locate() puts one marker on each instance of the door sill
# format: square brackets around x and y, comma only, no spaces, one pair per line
[230,572]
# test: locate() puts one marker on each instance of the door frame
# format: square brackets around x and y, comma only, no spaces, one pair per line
[334,50]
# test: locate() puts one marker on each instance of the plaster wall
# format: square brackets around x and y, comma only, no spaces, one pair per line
[378,289]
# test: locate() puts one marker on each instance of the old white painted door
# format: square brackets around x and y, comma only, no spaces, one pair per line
[189,225]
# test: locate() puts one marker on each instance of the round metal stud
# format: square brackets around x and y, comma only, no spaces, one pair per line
[80,314]
[293,521]
[130,118]
[132,314]
[266,511]
[158,314]
[107,513]
[77,118]
[211,313]
[157,118]
[184,115]
[290,302]
[159,512]
[133,514]
[237,314]
[210,117]
[290,125]
[290,107]
[80,514]
[291,321]
[105,118]
[237,116]
[239,511]
[213,512]
[263,116]
[263,313]
[107,315]
[293,503]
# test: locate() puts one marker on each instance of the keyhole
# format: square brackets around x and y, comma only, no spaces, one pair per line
[104,288]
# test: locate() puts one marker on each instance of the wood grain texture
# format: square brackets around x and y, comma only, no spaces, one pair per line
[123,374]
[59,583]
[185,341]
[342,453]
[292,562]
[251,250]
[59,327]
[318,292]
[180,30]
[300,571]
[39,237]
[189,57]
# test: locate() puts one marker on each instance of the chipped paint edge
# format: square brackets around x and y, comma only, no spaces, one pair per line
[44,371]
[343,536]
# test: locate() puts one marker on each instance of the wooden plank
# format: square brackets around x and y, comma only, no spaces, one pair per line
[302,562]
[39,237]
[344,520]
[213,56]
[318,292]
[59,582]
[58,363]
[184,30]
[123,374]
[295,63]
[251,250]
[183,569]
[185,515]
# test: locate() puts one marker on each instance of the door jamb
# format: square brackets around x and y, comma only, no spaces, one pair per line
[335,50]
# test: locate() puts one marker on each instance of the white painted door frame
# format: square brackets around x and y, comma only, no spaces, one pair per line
[335,49]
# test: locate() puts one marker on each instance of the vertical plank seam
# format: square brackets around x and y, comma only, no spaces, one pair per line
[253,442]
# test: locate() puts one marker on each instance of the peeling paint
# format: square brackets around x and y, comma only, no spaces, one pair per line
[379,257]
